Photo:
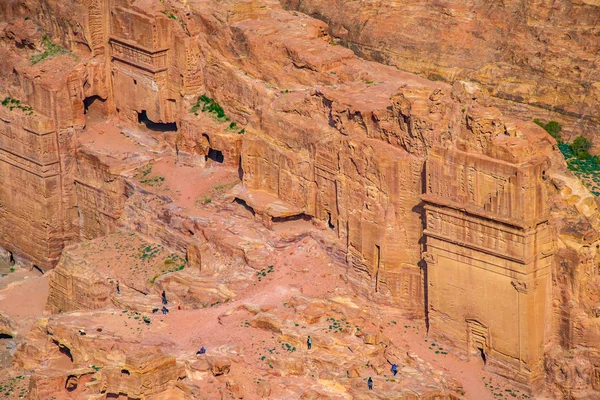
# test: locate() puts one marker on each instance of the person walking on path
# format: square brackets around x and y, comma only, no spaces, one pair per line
[370,383]
[309,342]
[164,298]
[118,288]
[164,310]
[394,369]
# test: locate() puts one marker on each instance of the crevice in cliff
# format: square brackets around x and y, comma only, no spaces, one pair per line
[297,217]
[245,205]
[63,349]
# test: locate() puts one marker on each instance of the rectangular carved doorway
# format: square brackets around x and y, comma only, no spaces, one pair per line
[478,339]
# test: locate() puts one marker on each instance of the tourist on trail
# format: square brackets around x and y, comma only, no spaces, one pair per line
[118,288]
[165,310]
[394,369]
[201,351]
[309,342]
[164,298]
[370,383]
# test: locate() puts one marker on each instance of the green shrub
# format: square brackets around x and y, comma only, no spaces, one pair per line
[51,50]
[553,128]
[208,105]
[580,145]
[583,155]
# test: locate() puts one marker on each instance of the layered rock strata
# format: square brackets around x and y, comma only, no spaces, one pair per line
[419,182]
[537,60]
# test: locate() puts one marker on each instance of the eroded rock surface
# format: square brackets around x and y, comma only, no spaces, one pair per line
[536,59]
[276,186]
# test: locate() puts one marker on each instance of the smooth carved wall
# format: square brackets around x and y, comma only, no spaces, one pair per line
[488,265]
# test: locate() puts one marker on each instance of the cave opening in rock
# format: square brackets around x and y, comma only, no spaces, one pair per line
[156,126]
[215,155]
[63,349]
[71,383]
[5,336]
[93,104]
[483,357]
[297,217]
[125,372]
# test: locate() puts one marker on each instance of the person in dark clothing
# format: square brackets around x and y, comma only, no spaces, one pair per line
[164,298]
[394,369]
[164,310]
[309,343]
[118,288]
[370,383]
[201,351]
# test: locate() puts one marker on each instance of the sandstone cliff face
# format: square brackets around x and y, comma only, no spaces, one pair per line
[417,182]
[536,54]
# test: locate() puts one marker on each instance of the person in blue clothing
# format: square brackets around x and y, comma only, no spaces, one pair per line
[164,298]
[370,383]
[394,369]
[201,351]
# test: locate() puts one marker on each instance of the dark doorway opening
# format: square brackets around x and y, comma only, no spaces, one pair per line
[483,357]
[215,155]
[92,103]
[125,372]
[329,223]
[156,126]
[5,336]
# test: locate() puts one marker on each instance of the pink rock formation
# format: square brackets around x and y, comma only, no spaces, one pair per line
[536,59]
[134,138]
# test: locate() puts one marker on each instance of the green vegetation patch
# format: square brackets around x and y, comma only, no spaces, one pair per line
[264,271]
[144,176]
[12,104]
[585,166]
[552,127]
[336,325]
[207,105]
[51,51]
[579,160]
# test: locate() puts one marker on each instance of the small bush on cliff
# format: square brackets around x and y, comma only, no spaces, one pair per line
[208,105]
[552,127]
[14,103]
[580,145]
[51,50]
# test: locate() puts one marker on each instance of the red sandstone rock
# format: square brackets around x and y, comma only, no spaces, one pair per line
[314,133]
